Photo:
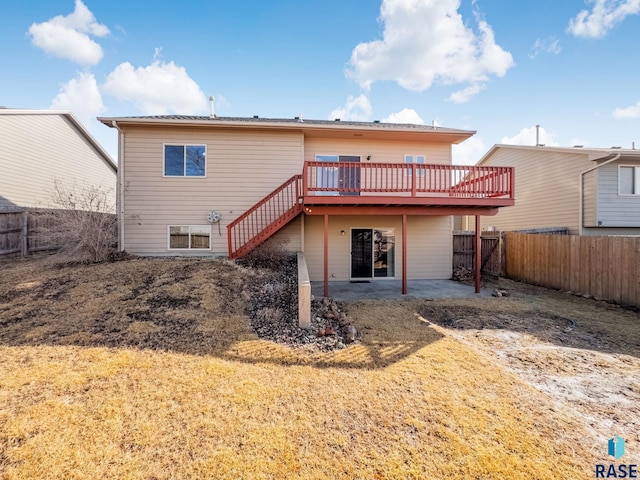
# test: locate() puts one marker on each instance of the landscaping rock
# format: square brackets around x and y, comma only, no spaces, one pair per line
[273,310]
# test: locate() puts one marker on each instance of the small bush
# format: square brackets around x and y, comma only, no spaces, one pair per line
[81,224]
[268,255]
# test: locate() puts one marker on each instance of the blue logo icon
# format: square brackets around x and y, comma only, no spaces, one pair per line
[616,447]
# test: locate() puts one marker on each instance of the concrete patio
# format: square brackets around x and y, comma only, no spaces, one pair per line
[392,289]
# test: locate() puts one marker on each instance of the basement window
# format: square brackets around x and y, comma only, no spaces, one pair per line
[189,237]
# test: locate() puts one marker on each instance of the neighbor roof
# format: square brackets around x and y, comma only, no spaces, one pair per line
[591,153]
[453,135]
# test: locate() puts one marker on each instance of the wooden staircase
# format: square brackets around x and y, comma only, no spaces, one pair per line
[265,218]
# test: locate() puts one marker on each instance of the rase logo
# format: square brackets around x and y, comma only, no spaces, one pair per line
[615,449]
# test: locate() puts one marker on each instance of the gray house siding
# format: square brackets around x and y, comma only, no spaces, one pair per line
[613,209]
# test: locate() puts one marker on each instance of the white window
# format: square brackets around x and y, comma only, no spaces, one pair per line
[628,180]
[417,159]
[185,160]
[189,237]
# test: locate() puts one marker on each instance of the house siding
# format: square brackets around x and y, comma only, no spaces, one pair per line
[242,168]
[616,210]
[546,189]
[590,198]
[290,237]
[601,231]
[429,245]
[380,151]
[37,149]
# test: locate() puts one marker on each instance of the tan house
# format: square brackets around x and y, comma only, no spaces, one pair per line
[40,147]
[591,191]
[364,201]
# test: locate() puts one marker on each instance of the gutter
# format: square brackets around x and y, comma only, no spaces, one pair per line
[120,186]
[581,185]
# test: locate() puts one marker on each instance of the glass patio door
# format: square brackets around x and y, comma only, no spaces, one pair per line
[372,253]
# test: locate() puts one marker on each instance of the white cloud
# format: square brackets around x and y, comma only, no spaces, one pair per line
[81,96]
[406,115]
[426,42]
[468,152]
[68,36]
[464,95]
[551,45]
[604,16]
[527,136]
[158,89]
[632,111]
[356,109]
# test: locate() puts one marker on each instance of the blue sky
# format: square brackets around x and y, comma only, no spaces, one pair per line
[494,66]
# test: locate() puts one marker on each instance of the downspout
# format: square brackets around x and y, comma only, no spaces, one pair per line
[120,186]
[581,185]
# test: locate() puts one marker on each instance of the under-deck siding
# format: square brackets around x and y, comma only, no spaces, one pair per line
[429,245]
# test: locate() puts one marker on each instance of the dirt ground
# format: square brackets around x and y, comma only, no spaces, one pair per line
[583,353]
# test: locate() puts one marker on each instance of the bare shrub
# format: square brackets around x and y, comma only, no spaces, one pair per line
[268,255]
[269,314]
[82,225]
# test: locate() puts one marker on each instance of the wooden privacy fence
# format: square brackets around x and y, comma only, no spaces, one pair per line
[492,248]
[602,267]
[21,232]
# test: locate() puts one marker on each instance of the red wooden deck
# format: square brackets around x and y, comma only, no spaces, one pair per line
[359,188]
[347,183]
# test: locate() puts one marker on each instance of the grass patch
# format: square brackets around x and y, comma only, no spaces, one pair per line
[148,369]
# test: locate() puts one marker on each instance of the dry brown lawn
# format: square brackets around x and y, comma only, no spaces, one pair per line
[148,369]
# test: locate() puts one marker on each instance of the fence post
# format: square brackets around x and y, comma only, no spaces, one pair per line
[24,235]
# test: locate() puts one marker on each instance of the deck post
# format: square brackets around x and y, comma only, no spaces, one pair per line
[404,254]
[478,254]
[326,255]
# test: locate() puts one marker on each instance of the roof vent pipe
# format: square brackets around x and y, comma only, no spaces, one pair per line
[537,135]
[211,101]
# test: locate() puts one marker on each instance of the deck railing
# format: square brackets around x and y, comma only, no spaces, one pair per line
[359,178]
[353,178]
[265,218]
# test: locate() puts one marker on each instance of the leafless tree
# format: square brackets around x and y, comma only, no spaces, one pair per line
[82,223]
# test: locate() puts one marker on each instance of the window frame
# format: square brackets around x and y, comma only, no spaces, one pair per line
[415,156]
[184,159]
[635,186]
[189,248]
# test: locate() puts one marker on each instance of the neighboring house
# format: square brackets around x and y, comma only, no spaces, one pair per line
[591,191]
[41,147]
[364,201]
